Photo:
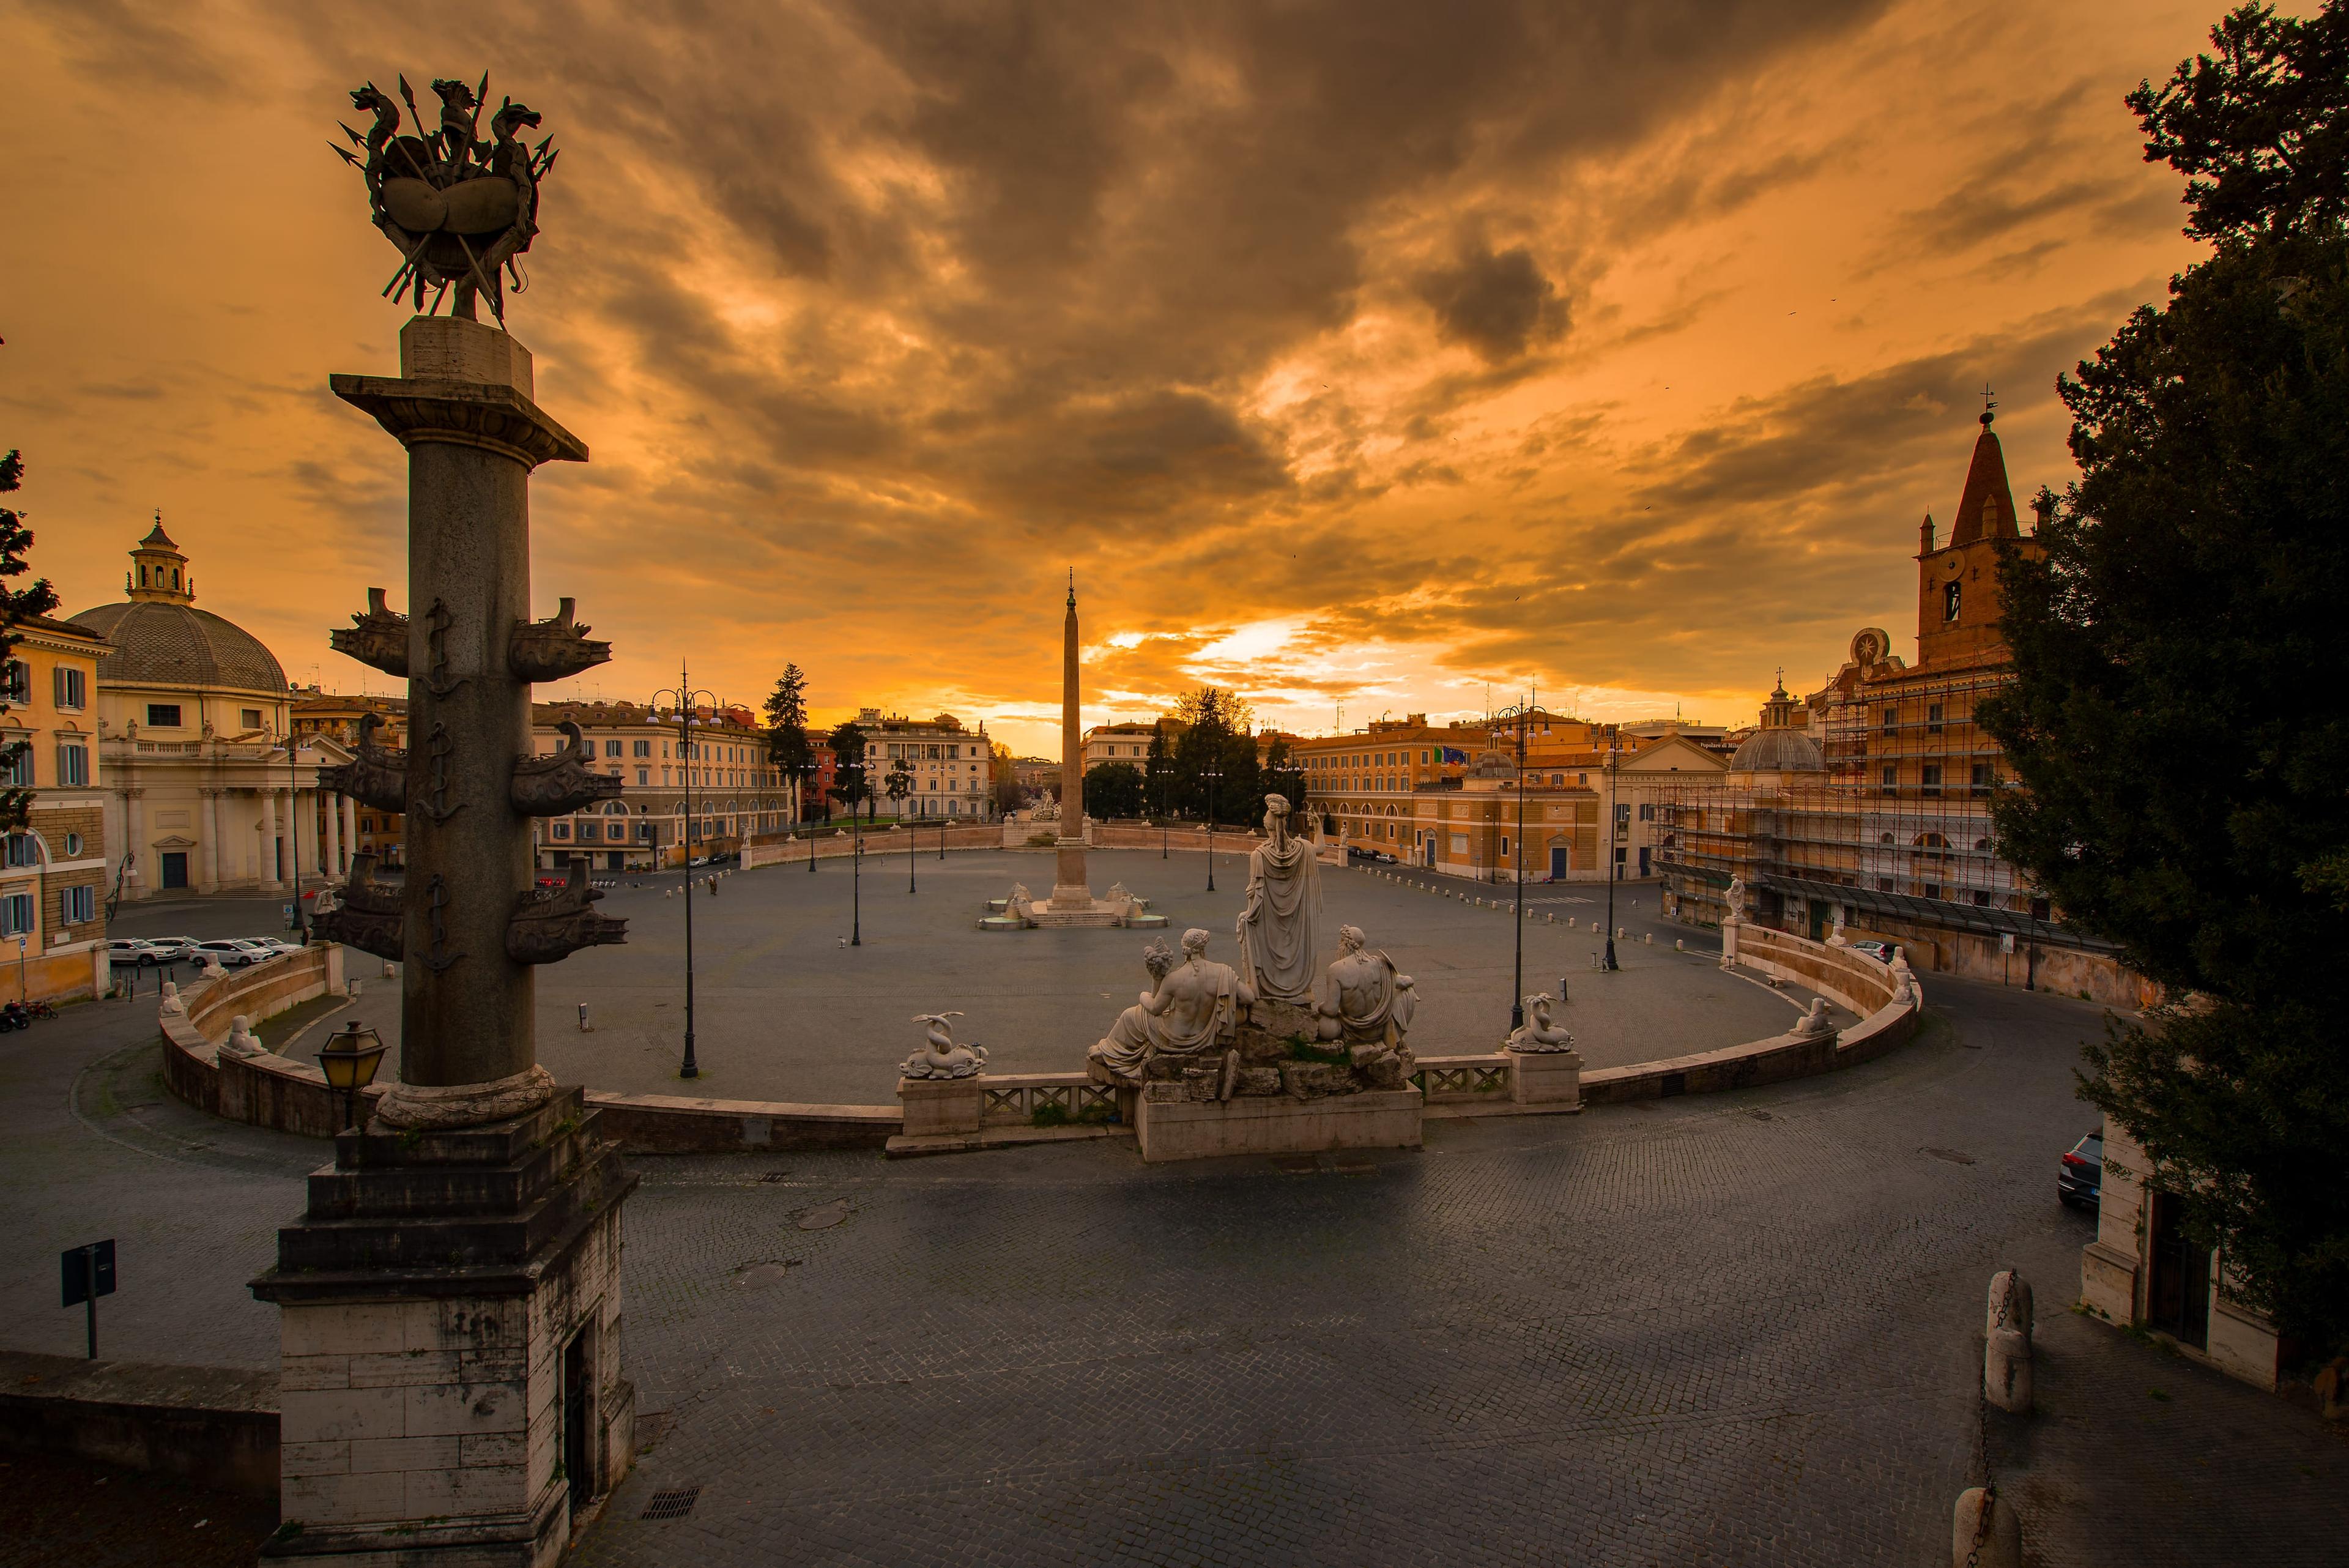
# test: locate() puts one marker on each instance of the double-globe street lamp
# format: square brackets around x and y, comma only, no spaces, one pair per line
[1521,716]
[1211,773]
[686,698]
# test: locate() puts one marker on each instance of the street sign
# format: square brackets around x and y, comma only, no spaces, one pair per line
[87,1273]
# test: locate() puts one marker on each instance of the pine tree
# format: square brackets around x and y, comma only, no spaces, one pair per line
[788,750]
[2174,721]
[16,606]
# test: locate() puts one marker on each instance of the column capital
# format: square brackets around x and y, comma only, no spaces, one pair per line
[493,418]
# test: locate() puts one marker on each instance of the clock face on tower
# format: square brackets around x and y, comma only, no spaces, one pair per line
[1951,594]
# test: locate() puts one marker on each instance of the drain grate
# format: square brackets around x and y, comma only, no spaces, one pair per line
[1954,1156]
[775,1176]
[671,1502]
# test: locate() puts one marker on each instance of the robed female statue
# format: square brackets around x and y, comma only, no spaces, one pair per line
[1280,924]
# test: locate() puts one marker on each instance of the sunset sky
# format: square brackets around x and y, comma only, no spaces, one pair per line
[1359,352]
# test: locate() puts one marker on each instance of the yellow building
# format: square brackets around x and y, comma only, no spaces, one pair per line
[735,793]
[347,827]
[53,891]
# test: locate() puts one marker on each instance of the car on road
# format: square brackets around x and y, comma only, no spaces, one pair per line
[125,951]
[276,944]
[2080,1178]
[1881,951]
[1358,856]
[233,952]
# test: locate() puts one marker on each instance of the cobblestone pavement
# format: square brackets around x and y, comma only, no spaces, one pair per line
[1038,999]
[1720,1330]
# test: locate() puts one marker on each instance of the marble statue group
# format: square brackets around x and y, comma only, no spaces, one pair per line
[1281,1022]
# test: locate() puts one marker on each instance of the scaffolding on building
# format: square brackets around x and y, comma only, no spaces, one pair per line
[1896,830]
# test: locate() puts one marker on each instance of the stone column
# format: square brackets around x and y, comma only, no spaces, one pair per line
[462,409]
[350,815]
[271,868]
[208,854]
[450,1301]
[334,809]
[1069,888]
[142,879]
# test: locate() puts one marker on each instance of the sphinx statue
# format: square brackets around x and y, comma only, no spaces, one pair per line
[1279,924]
[1192,1013]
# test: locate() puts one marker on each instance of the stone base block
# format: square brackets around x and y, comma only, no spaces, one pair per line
[2108,1282]
[1203,1130]
[1545,1077]
[449,1386]
[941,1106]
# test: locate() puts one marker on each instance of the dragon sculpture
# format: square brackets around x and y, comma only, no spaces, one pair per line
[461,209]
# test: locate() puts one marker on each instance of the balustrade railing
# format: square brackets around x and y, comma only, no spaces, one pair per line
[1441,1078]
[1046,1099]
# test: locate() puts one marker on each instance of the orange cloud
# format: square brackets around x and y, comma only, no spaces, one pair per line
[1360,353]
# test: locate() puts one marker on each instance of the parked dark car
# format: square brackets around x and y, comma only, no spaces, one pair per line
[1358,856]
[2080,1180]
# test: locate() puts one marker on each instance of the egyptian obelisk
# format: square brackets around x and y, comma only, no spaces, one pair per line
[1069,887]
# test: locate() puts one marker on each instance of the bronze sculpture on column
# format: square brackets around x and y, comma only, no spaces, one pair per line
[468,1235]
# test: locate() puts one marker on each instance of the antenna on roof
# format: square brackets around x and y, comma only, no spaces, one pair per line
[1989,406]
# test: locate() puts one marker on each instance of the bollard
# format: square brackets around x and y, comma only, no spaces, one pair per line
[1620,933]
[1561,988]
[1985,1532]
[585,1027]
[1679,946]
[351,988]
[1647,938]
[2006,1343]
[389,969]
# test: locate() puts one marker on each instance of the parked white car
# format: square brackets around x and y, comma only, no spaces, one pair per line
[125,952]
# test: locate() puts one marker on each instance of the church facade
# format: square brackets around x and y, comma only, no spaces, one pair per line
[207,788]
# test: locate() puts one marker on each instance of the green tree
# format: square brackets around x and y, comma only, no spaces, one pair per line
[1007,780]
[1113,789]
[849,784]
[897,785]
[16,606]
[790,752]
[2174,639]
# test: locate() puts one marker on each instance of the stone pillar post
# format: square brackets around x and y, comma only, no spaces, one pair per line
[333,808]
[208,824]
[350,814]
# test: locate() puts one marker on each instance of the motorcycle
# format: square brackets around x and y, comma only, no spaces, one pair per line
[12,1015]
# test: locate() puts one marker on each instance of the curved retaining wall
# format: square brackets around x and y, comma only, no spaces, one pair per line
[272,1091]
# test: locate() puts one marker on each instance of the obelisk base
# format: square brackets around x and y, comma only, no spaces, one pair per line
[451,1332]
[1069,888]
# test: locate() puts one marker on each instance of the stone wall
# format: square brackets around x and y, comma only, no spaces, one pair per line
[212,1427]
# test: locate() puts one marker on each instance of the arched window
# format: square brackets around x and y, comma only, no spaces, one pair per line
[1887,838]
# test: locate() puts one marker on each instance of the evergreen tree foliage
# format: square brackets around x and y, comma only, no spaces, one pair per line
[849,784]
[2176,721]
[789,750]
[16,604]
[1113,790]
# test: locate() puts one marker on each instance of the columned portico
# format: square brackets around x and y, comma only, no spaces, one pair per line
[210,880]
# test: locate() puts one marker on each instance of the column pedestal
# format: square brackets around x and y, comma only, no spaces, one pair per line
[450,1323]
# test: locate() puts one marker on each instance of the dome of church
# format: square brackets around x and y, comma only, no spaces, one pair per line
[160,639]
[1778,752]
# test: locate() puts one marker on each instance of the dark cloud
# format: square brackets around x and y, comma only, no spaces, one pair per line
[1498,305]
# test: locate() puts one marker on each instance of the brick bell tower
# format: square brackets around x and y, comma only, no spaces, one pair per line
[1958,600]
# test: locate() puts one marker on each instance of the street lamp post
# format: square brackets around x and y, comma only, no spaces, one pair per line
[1614,755]
[1523,715]
[856,880]
[685,696]
[1211,773]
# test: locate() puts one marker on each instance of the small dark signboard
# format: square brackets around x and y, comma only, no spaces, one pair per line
[88,1274]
